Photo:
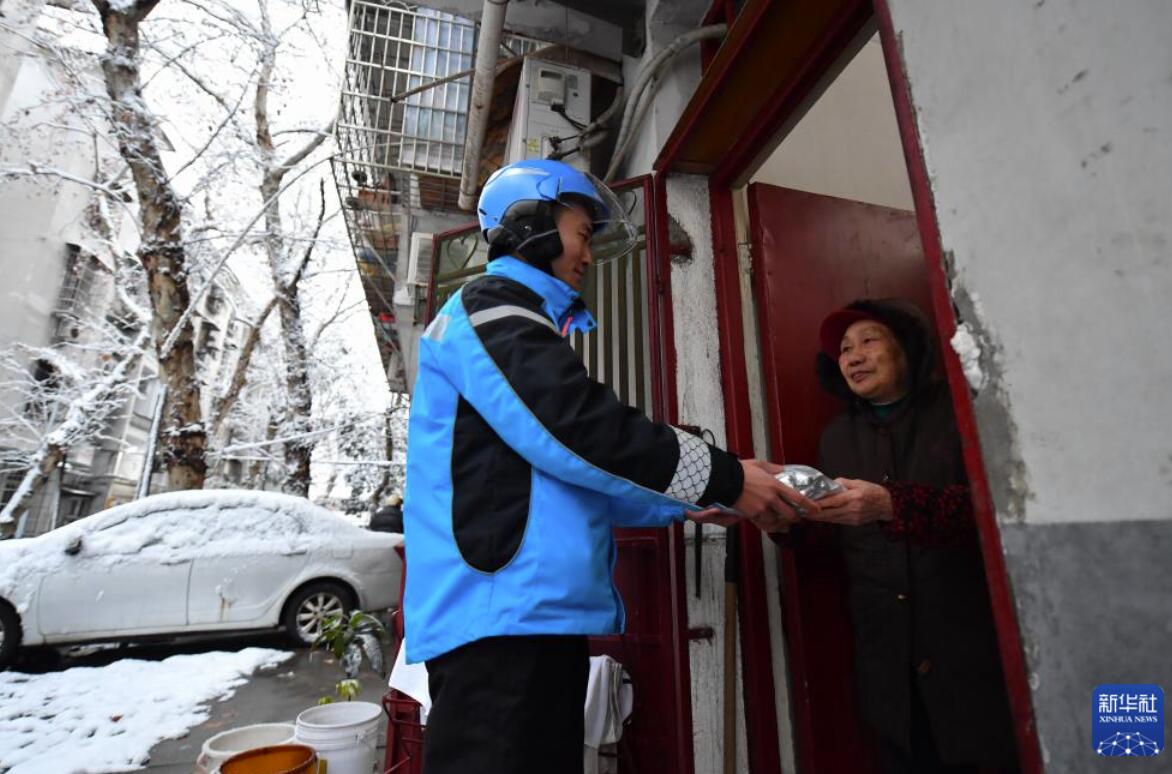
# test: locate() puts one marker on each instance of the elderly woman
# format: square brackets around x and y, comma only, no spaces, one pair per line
[928,672]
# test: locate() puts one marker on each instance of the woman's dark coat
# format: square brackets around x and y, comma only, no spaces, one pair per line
[919,605]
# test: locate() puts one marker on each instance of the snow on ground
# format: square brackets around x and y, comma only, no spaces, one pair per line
[89,720]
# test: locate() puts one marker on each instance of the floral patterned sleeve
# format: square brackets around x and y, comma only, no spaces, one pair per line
[929,514]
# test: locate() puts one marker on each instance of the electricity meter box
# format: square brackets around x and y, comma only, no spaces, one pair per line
[553,105]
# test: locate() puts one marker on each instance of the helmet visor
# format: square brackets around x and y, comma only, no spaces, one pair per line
[615,233]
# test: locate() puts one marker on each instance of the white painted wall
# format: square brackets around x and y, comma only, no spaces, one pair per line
[847,145]
[701,402]
[699,393]
[1046,129]
[17,23]
[38,215]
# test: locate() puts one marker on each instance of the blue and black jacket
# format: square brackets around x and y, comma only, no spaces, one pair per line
[519,465]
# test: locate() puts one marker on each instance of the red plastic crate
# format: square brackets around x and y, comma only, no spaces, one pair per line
[404,734]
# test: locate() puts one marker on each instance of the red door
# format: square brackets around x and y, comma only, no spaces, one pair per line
[813,254]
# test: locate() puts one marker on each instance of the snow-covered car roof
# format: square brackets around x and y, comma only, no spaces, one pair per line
[316,518]
[188,524]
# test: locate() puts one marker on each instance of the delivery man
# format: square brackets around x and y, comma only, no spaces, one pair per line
[519,466]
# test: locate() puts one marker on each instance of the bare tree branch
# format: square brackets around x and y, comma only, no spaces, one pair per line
[232,393]
[306,150]
[339,313]
[173,336]
[229,118]
[321,219]
[36,170]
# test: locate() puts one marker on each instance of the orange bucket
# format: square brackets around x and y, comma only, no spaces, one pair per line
[279,759]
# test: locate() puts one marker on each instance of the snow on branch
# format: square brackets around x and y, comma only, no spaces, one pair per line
[85,415]
[172,337]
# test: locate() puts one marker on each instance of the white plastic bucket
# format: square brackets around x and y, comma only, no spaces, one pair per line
[345,735]
[225,744]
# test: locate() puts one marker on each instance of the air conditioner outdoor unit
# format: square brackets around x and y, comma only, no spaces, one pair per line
[419,259]
[413,291]
[553,103]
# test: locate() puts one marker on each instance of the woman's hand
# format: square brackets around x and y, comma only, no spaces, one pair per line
[862,503]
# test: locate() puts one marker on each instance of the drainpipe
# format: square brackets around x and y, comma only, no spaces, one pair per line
[492,23]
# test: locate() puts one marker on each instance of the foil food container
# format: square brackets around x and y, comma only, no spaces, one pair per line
[811,482]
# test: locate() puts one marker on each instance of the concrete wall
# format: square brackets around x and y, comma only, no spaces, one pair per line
[665,22]
[548,22]
[1045,128]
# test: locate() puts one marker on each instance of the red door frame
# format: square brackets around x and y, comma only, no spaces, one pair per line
[751,138]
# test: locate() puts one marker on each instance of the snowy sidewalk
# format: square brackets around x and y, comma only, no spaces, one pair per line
[112,717]
[271,696]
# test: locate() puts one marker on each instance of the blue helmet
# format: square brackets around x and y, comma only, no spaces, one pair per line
[518,204]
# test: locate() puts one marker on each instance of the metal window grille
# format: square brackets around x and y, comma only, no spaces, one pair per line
[396,139]
[400,141]
[79,280]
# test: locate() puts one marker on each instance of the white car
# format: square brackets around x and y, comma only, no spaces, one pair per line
[196,561]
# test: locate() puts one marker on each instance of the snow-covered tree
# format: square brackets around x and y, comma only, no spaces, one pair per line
[248,43]
[194,93]
[76,385]
[162,251]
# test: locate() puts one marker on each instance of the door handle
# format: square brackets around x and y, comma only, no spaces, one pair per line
[295,552]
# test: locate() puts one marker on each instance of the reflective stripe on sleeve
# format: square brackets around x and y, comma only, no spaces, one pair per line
[500,312]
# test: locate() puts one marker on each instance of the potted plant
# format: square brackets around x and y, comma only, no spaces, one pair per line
[352,639]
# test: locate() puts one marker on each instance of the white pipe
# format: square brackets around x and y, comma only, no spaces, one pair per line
[651,69]
[620,150]
[647,76]
[492,23]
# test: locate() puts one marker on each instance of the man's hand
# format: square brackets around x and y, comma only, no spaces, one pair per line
[862,503]
[717,516]
[767,502]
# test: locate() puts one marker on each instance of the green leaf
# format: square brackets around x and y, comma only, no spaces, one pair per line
[348,689]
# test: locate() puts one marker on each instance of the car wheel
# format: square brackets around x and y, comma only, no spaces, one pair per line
[311,607]
[10,634]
